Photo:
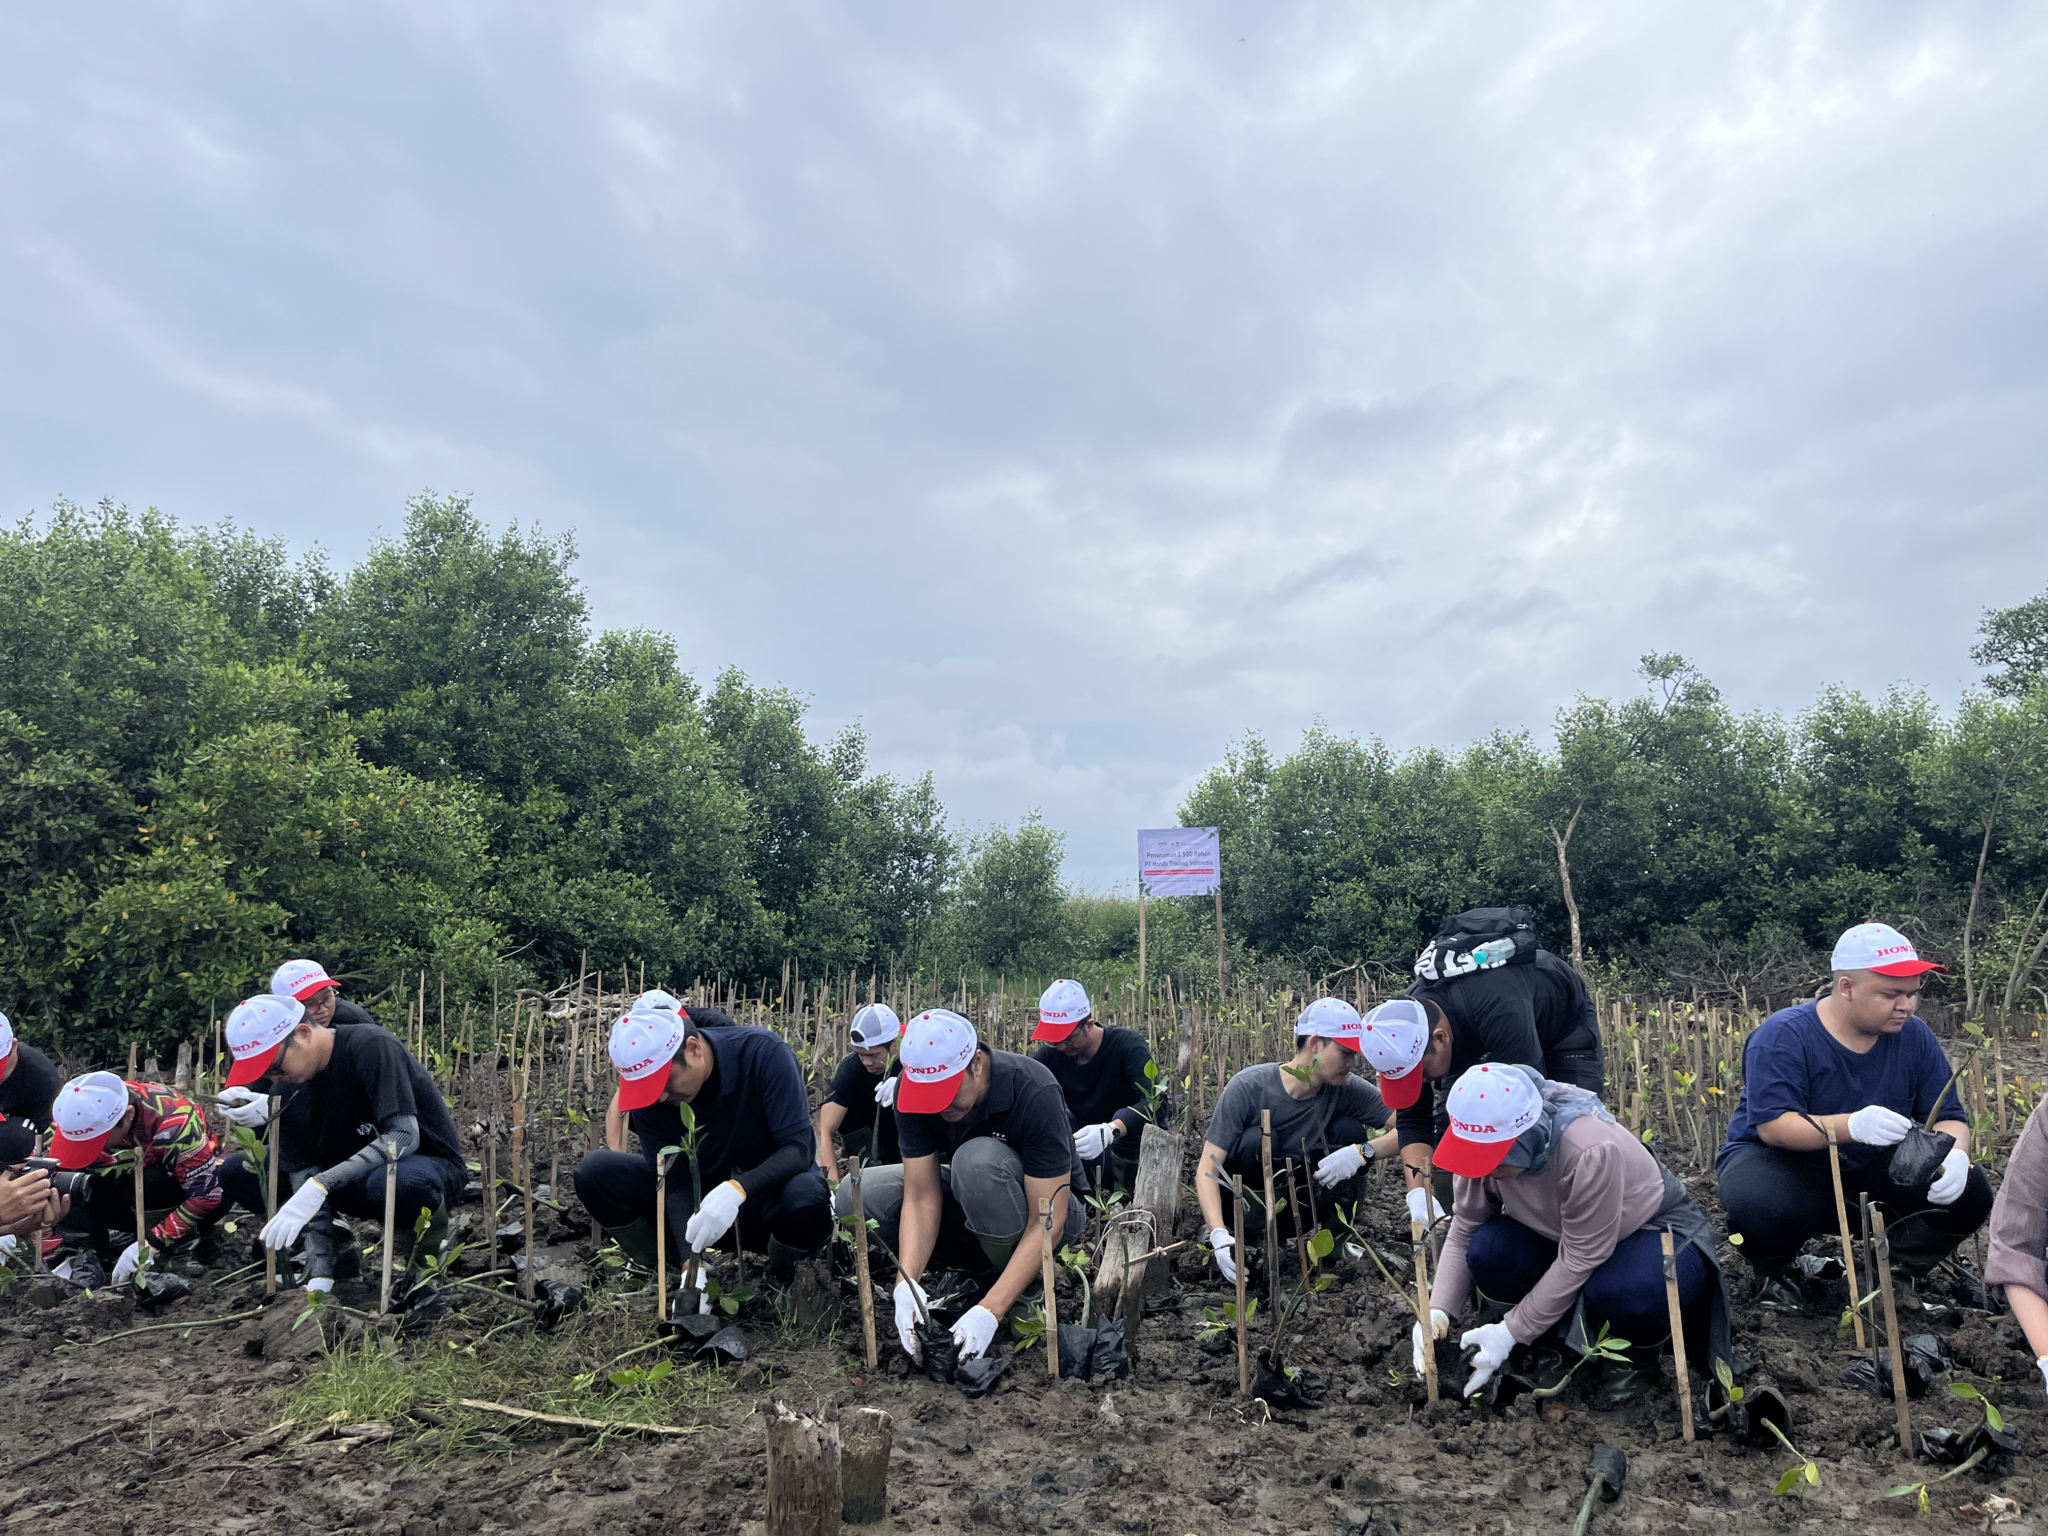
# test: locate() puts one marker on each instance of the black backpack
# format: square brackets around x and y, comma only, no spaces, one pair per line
[1478,940]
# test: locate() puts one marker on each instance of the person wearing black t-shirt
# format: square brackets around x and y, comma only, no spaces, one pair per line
[752,1139]
[1101,1073]
[858,1104]
[28,1082]
[307,983]
[354,1101]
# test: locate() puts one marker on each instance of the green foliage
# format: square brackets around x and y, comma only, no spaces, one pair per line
[1795,1479]
[1218,1321]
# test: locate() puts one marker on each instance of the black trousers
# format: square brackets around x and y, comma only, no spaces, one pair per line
[1777,1199]
[1585,1069]
[423,1183]
[105,1217]
[617,1188]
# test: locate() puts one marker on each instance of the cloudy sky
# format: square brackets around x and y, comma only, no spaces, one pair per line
[1065,390]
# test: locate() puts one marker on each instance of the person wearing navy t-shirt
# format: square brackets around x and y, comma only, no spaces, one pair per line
[1861,1064]
[753,1141]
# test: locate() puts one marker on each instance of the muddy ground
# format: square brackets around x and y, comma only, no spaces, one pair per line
[169,1431]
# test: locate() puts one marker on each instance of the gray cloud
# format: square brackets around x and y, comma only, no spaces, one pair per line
[1166,372]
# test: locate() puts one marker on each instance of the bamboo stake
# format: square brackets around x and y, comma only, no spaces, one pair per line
[1842,1218]
[1244,1359]
[1677,1335]
[270,1197]
[1272,1220]
[1300,1238]
[1891,1328]
[1052,1303]
[141,1216]
[1419,1236]
[390,1222]
[860,1262]
[661,1236]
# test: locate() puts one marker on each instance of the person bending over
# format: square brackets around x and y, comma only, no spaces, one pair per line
[306,982]
[1101,1073]
[355,1104]
[1323,1118]
[985,1137]
[1861,1064]
[103,1124]
[860,1103]
[753,1144]
[28,1083]
[1556,1213]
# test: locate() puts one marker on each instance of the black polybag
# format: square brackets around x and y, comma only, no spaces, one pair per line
[1953,1448]
[1077,1346]
[940,1349]
[1926,1357]
[1610,1465]
[1916,1160]
[512,1237]
[1288,1388]
[1746,1420]
[977,1378]
[728,1346]
[156,1290]
[424,1308]
[1112,1355]
[558,1299]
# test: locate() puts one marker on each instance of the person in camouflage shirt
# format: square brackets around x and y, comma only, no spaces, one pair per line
[103,1124]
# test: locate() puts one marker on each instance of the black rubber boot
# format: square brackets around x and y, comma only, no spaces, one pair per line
[1782,1289]
[1917,1247]
[636,1241]
[1628,1379]
[783,1260]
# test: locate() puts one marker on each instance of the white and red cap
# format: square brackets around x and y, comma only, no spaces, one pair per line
[85,1114]
[1333,1019]
[643,1043]
[937,1047]
[6,1038]
[1394,1038]
[1062,1009]
[1489,1106]
[300,979]
[257,1031]
[873,1027]
[1881,948]
[654,997]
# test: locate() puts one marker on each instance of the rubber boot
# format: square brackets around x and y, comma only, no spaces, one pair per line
[1628,1379]
[348,1251]
[1779,1288]
[636,1242]
[1916,1248]
[783,1260]
[430,1244]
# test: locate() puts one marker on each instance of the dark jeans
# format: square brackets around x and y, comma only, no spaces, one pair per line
[105,1217]
[1626,1293]
[1585,1069]
[1245,1158]
[1778,1199]
[423,1182]
[617,1188]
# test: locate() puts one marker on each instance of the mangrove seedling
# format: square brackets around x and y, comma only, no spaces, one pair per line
[1220,1322]
[1796,1479]
[1603,1347]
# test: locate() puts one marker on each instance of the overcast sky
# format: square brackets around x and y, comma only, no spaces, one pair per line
[1065,390]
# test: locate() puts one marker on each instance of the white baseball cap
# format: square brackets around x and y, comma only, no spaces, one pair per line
[1063,1008]
[654,997]
[938,1046]
[257,1031]
[85,1114]
[6,1038]
[1489,1106]
[300,979]
[873,1027]
[643,1043]
[1333,1019]
[1394,1038]
[1881,948]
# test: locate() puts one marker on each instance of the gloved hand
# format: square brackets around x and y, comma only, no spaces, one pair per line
[8,1245]
[906,1315]
[1439,1327]
[1341,1164]
[126,1265]
[1876,1126]
[972,1333]
[2043,1364]
[244,1106]
[1220,1244]
[714,1218]
[1091,1141]
[1422,1206]
[282,1230]
[1955,1173]
[320,1283]
[885,1092]
[1495,1344]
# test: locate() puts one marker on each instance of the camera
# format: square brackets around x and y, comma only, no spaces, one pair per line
[72,1183]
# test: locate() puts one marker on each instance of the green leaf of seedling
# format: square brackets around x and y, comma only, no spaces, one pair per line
[1902,1490]
[729,1305]
[629,1377]
[1151,1072]
[1787,1483]
[1323,1244]
[1324,1282]
[659,1372]
[1813,1473]
[670,1152]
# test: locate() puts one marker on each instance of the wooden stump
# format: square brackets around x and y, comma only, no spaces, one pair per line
[864,1466]
[803,1475]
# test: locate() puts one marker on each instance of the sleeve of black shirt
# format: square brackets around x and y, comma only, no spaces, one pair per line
[1135,1058]
[787,1109]
[851,1080]
[919,1135]
[1037,1131]
[385,1071]
[1491,1023]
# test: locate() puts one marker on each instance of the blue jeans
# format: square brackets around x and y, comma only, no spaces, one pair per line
[1626,1293]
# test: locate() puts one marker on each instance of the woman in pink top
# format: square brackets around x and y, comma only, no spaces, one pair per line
[1556,1215]
[2018,1257]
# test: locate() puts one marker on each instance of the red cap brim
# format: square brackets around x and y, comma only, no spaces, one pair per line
[314,986]
[1400,1092]
[1469,1159]
[928,1098]
[1908,968]
[248,1068]
[72,1154]
[1054,1033]
[639,1092]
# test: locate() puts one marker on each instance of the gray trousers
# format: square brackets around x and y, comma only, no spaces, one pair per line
[982,1196]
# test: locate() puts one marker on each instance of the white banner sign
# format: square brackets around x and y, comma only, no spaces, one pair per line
[1180,861]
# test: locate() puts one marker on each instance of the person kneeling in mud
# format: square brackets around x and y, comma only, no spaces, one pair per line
[1323,1118]
[1556,1212]
[860,1104]
[1101,1073]
[752,1141]
[355,1103]
[101,1120]
[985,1137]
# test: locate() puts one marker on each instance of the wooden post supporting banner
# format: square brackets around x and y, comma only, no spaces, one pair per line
[1842,1220]
[860,1262]
[1144,1021]
[270,1195]
[1891,1330]
[1052,1306]
[1244,1358]
[1677,1335]
[1418,1235]
[804,1491]
[864,1441]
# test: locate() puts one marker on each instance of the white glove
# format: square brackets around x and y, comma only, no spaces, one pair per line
[715,1216]
[1876,1126]
[885,1092]
[1494,1344]
[1091,1141]
[974,1330]
[1422,1206]
[2043,1364]
[1955,1173]
[126,1265]
[906,1314]
[244,1106]
[321,1283]
[8,1244]
[1341,1165]
[1439,1326]
[282,1230]
[1220,1244]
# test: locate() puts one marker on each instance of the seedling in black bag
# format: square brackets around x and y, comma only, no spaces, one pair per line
[1796,1479]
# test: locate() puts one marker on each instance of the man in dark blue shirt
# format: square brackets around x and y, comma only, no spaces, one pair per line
[753,1141]
[1857,1066]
